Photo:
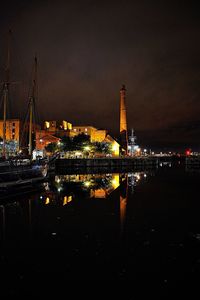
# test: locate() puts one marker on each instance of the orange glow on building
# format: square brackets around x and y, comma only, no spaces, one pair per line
[56,126]
[123,120]
[43,139]
[12,130]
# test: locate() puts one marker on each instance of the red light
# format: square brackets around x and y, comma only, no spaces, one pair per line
[188,152]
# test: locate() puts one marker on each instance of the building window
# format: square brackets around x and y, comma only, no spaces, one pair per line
[13,124]
[85,129]
[74,129]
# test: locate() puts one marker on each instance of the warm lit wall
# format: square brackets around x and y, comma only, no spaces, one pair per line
[88,130]
[114,145]
[12,130]
[98,136]
[57,125]
[50,125]
[43,139]
[95,134]
[115,148]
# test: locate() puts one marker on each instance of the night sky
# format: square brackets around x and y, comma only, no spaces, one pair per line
[88,49]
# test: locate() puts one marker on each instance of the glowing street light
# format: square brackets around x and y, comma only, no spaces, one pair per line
[87,148]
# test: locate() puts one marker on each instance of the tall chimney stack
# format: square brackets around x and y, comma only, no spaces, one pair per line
[123,122]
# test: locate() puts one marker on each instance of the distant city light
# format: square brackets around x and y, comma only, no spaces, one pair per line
[188,152]
[87,148]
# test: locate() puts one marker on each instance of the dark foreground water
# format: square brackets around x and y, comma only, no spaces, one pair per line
[140,226]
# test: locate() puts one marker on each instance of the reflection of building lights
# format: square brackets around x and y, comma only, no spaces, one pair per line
[115,181]
[47,200]
[99,193]
[67,200]
[87,183]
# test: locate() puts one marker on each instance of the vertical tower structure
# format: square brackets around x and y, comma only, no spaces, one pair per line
[123,121]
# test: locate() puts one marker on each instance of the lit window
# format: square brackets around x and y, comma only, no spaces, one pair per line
[85,129]
[69,125]
[74,129]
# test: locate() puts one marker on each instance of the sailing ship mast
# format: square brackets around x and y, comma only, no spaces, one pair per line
[32,98]
[6,92]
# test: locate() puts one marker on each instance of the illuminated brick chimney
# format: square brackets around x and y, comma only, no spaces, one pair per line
[123,122]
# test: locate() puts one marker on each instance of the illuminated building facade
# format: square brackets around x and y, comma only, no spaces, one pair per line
[88,130]
[98,135]
[43,139]
[58,127]
[53,129]
[13,127]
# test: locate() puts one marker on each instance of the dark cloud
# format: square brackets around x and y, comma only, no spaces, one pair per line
[87,49]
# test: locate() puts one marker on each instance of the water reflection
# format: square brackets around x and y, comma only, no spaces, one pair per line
[83,216]
[63,190]
[103,226]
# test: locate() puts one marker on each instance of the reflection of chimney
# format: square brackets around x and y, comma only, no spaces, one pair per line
[123,202]
[123,122]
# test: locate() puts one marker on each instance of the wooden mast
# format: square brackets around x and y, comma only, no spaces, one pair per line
[32,105]
[5,93]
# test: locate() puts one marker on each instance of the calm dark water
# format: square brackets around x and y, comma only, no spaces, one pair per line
[137,226]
